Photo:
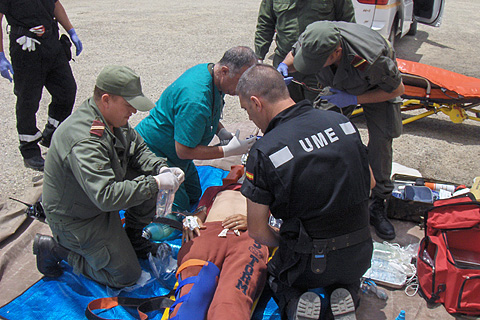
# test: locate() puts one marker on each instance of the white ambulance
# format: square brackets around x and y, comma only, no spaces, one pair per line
[395,18]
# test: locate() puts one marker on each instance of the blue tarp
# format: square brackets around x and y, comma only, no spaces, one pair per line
[67,297]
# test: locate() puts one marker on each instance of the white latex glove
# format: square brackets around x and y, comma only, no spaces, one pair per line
[177,172]
[237,147]
[27,43]
[225,136]
[167,181]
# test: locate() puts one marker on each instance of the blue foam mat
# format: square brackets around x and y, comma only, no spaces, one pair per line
[67,297]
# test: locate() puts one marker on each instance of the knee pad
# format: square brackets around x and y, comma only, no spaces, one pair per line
[194,304]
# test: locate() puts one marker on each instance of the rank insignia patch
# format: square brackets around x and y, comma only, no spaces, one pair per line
[97,128]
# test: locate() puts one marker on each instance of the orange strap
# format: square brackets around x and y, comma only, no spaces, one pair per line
[191,263]
[143,305]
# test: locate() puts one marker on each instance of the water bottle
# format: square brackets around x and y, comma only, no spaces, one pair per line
[401,315]
[164,203]
[369,286]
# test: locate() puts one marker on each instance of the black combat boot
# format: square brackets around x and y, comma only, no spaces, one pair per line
[49,254]
[47,135]
[342,304]
[32,155]
[378,218]
[307,306]
[141,245]
[35,163]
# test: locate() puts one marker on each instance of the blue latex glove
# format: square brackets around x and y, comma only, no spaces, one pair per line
[76,41]
[283,69]
[287,80]
[341,99]
[5,67]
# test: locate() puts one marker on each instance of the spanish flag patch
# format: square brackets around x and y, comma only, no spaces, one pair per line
[249,175]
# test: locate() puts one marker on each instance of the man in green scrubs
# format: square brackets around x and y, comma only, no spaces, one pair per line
[187,117]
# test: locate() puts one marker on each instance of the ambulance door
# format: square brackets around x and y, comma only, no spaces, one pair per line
[429,11]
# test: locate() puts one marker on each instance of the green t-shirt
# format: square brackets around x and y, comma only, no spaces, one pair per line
[188,112]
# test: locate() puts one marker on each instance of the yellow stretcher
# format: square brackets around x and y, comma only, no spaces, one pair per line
[438,90]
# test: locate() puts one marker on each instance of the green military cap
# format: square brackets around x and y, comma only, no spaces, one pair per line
[316,44]
[123,81]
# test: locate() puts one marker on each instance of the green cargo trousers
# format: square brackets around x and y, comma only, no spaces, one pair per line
[384,123]
[100,248]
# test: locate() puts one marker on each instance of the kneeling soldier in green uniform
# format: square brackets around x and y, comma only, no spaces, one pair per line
[97,165]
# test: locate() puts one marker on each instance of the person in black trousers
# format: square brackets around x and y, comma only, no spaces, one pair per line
[38,60]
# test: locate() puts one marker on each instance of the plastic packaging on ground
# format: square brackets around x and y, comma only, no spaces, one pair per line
[391,264]
[164,266]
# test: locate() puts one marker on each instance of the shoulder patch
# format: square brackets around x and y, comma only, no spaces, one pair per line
[97,128]
[359,63]
[249,175]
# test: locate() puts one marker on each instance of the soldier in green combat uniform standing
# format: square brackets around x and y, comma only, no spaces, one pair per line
[289,18]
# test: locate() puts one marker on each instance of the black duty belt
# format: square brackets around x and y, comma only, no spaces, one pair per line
[345,240]
[319,248]
[340,242]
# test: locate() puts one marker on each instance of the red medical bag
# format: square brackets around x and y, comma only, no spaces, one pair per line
[448,264]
